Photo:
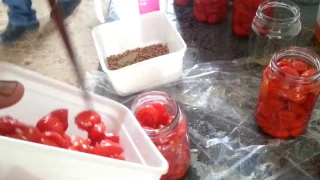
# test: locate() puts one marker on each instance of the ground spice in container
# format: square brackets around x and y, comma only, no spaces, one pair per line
[136,55]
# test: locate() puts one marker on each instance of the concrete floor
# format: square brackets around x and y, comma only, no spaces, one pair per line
[43,51]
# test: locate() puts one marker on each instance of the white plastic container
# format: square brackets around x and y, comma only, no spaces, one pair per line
[151,28]
[20,160]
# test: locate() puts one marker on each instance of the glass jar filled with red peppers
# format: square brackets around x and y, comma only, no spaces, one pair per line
[289,90]
[242,16]
[210,11]
[167,126]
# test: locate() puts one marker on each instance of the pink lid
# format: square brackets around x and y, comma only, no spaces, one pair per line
[146,6]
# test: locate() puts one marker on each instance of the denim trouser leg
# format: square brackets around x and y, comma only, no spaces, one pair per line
[20,12]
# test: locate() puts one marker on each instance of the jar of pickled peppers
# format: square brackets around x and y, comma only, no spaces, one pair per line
[289,90]
[243,13]
[210,11]
[167,126]
[183,2]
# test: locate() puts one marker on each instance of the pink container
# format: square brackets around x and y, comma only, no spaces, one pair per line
[146,6]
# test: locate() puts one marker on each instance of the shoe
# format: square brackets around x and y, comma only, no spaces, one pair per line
[66,8]
[13,33]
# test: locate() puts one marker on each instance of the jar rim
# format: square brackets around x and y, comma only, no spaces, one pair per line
[176,114]
[302,52]
[279,3]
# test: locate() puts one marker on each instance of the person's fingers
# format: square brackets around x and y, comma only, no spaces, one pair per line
[10,93]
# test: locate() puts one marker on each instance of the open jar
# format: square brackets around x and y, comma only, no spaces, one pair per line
[210,11]
[275,26]
[167,126]
[289,90]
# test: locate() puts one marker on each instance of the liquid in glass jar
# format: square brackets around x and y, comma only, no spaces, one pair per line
[289,90]
[275,26]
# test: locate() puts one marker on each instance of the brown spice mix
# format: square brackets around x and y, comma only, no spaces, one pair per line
[136,55]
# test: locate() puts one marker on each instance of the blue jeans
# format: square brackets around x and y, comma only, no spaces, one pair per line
[20,12]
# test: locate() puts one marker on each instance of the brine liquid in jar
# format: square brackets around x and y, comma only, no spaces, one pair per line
[166,125]
[289,90]
[275,26]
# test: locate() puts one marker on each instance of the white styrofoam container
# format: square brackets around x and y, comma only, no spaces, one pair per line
[20,160]
[151,28]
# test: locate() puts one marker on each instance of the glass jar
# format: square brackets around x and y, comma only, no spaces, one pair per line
[183,2]
[210,11]
[171,140]
[242,16]
[309,2]
[285,101]
[275,26]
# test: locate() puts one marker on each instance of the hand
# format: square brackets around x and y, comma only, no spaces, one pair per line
[10,93]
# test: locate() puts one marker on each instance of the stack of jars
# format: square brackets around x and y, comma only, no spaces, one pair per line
[210,11]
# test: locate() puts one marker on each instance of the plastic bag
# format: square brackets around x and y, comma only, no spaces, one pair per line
[219,100]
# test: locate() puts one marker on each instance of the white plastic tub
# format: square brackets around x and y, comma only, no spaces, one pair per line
[20,160]
[151,28]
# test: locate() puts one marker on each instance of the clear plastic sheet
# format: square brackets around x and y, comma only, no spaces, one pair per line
[219,100]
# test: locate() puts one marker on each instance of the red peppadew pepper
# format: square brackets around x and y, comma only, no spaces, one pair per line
[62,115]
[50,130]
[148,116]
[50,123]
[210,11]
[87,119]
[243,15]
[174,146]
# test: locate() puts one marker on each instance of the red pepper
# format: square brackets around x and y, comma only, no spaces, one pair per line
[174,146]
[243,15]
[50,130]
[210,11]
